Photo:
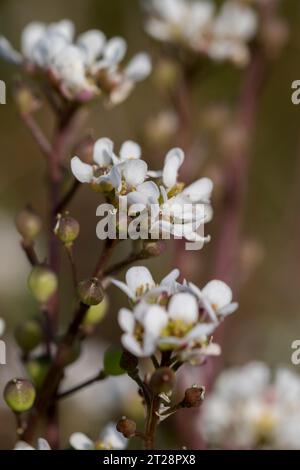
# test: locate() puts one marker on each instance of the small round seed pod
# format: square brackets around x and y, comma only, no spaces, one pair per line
[29,335]
[162,381]
[42,283]
[67,229]
[127,427]
[28,224]
[19,395]
[90,291]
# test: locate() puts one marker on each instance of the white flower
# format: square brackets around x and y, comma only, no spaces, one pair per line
[42,444]
[139,281]
[83,67]
[219,34]
[109,439]
[249,410]
[215,298]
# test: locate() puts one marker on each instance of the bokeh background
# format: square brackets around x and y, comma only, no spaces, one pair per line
[268,319]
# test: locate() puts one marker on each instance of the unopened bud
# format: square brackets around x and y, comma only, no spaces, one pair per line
[29,335]
[26,100]
[193,397]
[28,224]
[128,361]
[96,313]
[67,229]
[37,370]
[19,395]
[111,361]
[162,381]
[127,427]
[90,291]
[42,283]
[152,249]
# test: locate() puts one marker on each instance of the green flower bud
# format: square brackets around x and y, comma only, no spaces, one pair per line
[29,335]
[67,229]
[42,283]
[96,313]
[193,397]
[127,427]
[37,370]
[111,361]
[19,395]
[90,291]
[128,362]
[28,224]
[162,381]
[151,249]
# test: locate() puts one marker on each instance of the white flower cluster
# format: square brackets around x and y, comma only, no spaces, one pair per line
[109,439]
[249,410]
[81,68]
[221,34]
[127,176]
[171,316]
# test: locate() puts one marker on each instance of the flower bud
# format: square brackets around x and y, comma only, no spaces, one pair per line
[90,291]
[127,427]
[67,229]
[152,249]
[19,395]
[162,381]
[28,224]
[26,100]
[128,361]
[29,335]
[42,283]
[193,397]
[37,369]
[111,361]
[96,313]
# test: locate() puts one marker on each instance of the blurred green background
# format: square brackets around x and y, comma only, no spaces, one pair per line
[268,319]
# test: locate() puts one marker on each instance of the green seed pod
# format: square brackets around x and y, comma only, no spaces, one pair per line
[152,249]
[111,361]
[90,291]
[96,313]
[127,427]
[42,283]
[67,229]
[37,370]
[28,224]
[29,335]
[19,395]
[162,381]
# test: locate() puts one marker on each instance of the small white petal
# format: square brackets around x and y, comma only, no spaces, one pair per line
[21,445]
[170,278]
[64,28]
[200,190]
[126,320]
[124,288]
[228,309]
[201,330]
[131,344]
[103,152]
[149,189]
[130,150]
[183,306]
[42,444]
[8,53]
[135,172]
[30,36]
[92,43]
[114,51]
[80,441]
[137,277]
[139,67]
[217,293]
[155,319]
[173,162]
[112,439]
[82,171]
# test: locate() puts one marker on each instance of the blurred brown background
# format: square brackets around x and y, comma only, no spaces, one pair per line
[268,319]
